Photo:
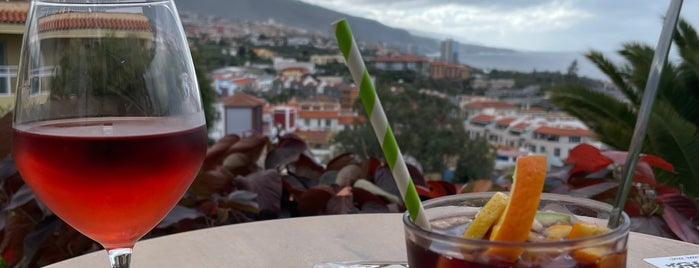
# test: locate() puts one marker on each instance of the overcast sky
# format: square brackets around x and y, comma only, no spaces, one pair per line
[532,25]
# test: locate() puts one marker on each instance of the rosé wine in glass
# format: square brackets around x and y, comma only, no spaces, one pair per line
[109,129]
[125,183]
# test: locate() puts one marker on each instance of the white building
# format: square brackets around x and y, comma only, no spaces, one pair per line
[472,106]
[554,135]
[241,114]
[280,64]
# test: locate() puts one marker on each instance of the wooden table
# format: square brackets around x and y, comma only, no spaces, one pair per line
[304,242]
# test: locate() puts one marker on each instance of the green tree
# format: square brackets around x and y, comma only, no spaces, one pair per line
[476,161]
[427,128]
[573,69]
[674,122]
[91,78]
[129,92]
[207,91]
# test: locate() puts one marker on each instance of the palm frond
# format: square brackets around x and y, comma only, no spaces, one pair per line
[687,40]
[676,140]
[639,57]
[684,94]
[611,119]
[615,74]
[673,127]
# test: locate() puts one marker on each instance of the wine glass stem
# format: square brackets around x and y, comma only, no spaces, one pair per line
[120,257]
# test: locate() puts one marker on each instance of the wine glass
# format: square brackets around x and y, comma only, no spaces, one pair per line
[109,130]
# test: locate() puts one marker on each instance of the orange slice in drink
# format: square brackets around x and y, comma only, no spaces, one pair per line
[592,254]
[585,229]
[487,216]
[557,232]
[604,256]
[517,218]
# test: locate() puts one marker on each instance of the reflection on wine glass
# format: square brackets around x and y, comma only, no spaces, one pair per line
[109,130]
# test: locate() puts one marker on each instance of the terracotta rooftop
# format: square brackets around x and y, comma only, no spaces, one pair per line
[13,12]
[75,20]
[346,120]
[241,99]
[446,64]
[490,104]
[483,118]
[16,13]
[506,121]
[520,126]
[318,114]
[244,81]
[564,131]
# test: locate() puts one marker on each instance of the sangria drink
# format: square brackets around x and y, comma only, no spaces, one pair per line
[566,232]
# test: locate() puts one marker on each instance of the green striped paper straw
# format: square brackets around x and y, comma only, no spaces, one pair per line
[377,116]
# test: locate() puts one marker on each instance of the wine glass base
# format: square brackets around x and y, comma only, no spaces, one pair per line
[120,257]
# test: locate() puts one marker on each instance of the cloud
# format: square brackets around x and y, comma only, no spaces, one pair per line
[524,24]
[471,21]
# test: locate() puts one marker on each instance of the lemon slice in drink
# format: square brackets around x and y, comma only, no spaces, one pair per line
[487,216]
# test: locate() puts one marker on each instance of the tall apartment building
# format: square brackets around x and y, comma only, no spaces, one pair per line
[449,51]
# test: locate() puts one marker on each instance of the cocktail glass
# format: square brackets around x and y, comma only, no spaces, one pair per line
[444,247]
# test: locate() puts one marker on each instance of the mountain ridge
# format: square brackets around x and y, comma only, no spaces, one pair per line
[314,18]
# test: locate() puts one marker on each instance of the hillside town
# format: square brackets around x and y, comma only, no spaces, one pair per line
[505,115]
[122,128]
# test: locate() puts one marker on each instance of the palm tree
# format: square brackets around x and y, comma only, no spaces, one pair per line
[674,122]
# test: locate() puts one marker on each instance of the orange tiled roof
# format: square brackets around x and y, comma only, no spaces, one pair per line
[520,126]
[244,81]
[446,64]
[76,20]
[347,119]
[13,12]
[241,99]
[564,131]
[350,119]
[295,69]
[506,121]
[318,114]
[490,104]
[483,118]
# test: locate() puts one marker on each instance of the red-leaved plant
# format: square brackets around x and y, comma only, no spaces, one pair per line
[242,179]
[254,178]
[655,208]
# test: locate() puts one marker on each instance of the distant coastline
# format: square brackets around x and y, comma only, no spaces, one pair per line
[534,61]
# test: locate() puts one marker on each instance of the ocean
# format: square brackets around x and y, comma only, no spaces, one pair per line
[539,61]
